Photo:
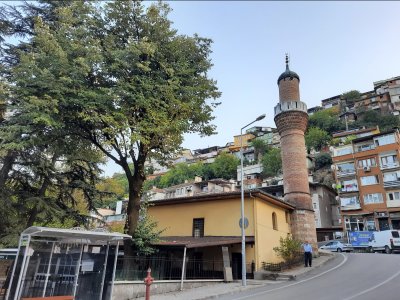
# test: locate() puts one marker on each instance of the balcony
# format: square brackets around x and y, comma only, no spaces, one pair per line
[346,173]
[348,188]
[362,148]
[352,203]
[390,166]
[391,184]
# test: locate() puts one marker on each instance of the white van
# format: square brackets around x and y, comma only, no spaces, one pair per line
[387,241]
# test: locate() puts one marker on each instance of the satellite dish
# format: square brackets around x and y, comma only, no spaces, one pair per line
[331,148]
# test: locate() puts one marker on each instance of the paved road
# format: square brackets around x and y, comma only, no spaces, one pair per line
[366,276]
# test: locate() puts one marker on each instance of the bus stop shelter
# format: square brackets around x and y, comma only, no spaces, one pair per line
[64,264]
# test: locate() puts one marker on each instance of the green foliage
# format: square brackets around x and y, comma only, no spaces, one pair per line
[116,76]
[288,249]
[323,160]
[260,148]
[372,118]
[146,233]
[225,166]
[327,120]
[272,162]
[351,96]
[316,138]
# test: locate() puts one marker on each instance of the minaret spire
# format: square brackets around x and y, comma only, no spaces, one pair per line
[287,61]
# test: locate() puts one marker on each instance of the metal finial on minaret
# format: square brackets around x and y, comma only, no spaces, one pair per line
[287,61]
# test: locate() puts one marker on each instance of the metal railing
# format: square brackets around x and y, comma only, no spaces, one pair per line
[297,259]
[135,268]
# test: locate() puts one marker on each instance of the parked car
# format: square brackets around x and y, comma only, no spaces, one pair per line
[337,246]
[386,241]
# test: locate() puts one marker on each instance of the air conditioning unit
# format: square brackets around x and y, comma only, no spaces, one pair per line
[367,169]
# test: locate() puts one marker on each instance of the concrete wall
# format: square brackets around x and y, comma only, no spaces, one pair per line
[124,290]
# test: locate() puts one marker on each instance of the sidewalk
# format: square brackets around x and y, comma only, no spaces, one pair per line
[219,289]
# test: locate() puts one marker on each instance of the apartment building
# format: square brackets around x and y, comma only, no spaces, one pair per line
[367,173]
[391,87]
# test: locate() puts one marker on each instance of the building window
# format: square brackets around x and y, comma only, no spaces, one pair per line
[385,140]
[346,167]
[369,180]
[198,227]
[370,224]
[369,162]
[389,161]
[391,176]
[314,205]
[393,196]
[287,217]
[373,198]
[274,221]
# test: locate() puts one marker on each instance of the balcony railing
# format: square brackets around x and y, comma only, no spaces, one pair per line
[351,206]
[390,166]
[393,183]
[344,173]
[349,188]
[364,148]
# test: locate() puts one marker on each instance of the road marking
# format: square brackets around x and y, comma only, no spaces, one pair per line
[298,282]
[374,287]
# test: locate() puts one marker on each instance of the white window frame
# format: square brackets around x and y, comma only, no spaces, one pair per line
[386,139]
[395,196]
[373,198]
[365,180]
[369,162]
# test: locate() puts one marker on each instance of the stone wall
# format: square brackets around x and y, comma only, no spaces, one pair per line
[125,290]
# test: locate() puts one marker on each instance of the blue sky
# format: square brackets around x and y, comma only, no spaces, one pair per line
[334,47]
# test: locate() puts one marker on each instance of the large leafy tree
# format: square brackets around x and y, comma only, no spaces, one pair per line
[327,120]
[225,166]
[272,162]
[44,172]
[316,138]
[119,76]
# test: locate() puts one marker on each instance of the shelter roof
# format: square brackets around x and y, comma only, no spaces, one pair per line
[75,235]
[199,242]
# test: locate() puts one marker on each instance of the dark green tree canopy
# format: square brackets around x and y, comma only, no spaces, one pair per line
[117,76]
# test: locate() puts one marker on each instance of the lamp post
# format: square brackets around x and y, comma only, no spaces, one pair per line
[242,201]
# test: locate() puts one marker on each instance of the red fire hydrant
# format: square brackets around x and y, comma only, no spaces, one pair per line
[148,281]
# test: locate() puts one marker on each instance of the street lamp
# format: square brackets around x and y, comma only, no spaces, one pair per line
[242,201]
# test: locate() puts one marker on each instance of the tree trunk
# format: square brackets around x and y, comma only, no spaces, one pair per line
[135,184]
[7,166]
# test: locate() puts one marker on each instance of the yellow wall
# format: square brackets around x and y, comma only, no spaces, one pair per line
[266,238]
[245,139]
[221,217]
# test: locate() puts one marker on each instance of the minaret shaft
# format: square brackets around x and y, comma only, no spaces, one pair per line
[291,120]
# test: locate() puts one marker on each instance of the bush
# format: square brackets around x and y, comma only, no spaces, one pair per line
[289,249]
[322,160]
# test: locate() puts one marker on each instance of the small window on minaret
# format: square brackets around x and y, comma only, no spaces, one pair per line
[274,221]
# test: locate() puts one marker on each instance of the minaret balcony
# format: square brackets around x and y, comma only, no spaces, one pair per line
[290,106]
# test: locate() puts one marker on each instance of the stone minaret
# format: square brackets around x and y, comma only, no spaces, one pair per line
[291,120]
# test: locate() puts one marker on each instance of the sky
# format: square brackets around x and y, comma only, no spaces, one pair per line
[334,47]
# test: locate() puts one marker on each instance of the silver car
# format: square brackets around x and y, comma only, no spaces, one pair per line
[337,246]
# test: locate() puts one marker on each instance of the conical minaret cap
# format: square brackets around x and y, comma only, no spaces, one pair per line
[287,72]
